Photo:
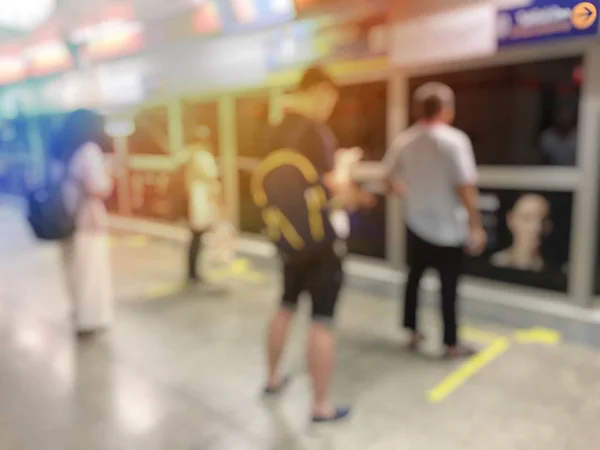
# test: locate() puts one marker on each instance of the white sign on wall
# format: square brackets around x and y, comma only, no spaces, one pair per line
[456,34]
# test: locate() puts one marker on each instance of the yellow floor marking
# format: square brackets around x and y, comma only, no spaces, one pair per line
[240,269]
[137,241]
[164,290]
[473,366]
[477,335]
[538,336]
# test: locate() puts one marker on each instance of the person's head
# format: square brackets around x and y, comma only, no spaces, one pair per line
[434,102]
[80,127]
[202,140]
[565,118]
[317,94]
[529,221]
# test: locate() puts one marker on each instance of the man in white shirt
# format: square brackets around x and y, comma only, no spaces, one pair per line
[432,165]
[202,182]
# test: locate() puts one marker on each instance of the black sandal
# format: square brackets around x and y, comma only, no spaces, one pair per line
[277,390]
[340,413]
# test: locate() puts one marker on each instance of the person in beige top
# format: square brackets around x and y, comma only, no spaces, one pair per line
[86,255]
[204,194]
[528,222]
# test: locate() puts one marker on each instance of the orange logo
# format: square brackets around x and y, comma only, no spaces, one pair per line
[584,15]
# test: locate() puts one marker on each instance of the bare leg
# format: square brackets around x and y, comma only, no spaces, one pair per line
[68,256]
[321,355]
[276,340]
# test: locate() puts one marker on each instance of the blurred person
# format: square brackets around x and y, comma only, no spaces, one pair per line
[558,143]
[203,196]
[295,201]
[528,222]
[86,254]
[432,165]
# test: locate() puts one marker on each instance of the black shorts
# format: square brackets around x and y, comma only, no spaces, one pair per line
[320,274]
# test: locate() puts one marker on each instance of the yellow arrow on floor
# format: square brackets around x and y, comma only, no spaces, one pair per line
[469,369]
[240,269]
[538,336]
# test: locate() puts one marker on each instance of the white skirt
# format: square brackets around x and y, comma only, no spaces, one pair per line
[89,280]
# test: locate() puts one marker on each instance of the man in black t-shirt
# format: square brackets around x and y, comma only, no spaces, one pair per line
[294,186]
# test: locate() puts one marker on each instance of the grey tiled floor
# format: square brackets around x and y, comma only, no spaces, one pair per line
[184,371]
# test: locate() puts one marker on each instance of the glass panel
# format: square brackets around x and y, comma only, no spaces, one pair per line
[360,120]
[529,235]
[151,135]
[252,127]
[521,114]
[251,124]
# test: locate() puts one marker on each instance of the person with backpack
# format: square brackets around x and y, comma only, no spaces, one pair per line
[70,209]
[296,187]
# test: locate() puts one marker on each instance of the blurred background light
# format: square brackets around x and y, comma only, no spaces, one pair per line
[119,127]
[108,29]
[25,15]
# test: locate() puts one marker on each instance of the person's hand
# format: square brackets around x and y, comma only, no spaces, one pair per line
[344,160]
[367,199]
[477,241]
[396,188]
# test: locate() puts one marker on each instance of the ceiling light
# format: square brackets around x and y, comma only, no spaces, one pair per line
[25,15]
[105,30]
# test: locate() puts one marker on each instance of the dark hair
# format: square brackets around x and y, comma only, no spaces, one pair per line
[431,98]
[80,126]
[431,107]
[313,76]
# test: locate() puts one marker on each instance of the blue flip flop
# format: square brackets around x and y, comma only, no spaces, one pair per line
[339,414]
[277,390]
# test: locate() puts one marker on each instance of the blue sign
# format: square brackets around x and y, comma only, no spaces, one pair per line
[247,15]
[299,44]
[546,20]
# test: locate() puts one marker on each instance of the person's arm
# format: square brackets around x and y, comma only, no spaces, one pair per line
[469,195]
[391,168]
[465,177]
[95,177]
[345,192]
[211,176]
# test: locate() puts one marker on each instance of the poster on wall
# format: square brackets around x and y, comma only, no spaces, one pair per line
[528,238]
[153,194]
[546,20]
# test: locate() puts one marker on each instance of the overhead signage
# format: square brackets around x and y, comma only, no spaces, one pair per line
[303,43]
[291,45]
[457,34]
[367,37]
[545,20]
[256,14]
[232,16]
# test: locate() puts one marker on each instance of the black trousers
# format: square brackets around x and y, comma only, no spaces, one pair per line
[194,250]
[448,261]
